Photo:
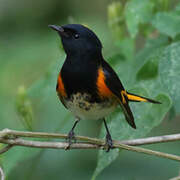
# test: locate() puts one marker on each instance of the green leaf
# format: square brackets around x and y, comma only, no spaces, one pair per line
[148,75]
[170,72]
[123,44]
[16,155]
[178,8]
[104,159]
[167,23]
[153,113]
[149,55]
[47,84]
[150,69]
[137,12]
[147,116]
[121,66]
[116,20]
[24,108]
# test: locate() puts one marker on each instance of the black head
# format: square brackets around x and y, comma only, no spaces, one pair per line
[78,39]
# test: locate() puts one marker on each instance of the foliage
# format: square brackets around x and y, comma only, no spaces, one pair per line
[156,70]
[24,108]
[147,59]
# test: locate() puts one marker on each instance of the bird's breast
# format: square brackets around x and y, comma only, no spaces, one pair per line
[81,106]
[79,77]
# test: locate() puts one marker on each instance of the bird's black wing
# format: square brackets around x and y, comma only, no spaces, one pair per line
[114,84]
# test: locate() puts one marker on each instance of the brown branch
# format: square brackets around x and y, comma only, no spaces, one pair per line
[6,148]
[11,137]
[2,174]
[134,142]
[47,144]
[175,178]
[153,140]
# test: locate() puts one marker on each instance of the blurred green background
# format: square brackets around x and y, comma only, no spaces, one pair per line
[31,56]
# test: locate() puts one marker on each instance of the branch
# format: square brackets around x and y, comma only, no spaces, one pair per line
[11,137]
[2,174]
[142,141]
[153,140]
[6,148]
[175,178]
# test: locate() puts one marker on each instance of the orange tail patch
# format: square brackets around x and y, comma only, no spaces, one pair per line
[132,97]
[137,98]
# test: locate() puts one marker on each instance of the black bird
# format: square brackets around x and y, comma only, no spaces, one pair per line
[87,85]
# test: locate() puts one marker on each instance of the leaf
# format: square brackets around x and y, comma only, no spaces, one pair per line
[147,64]
[147,116]
[178,8]
[24,108]
[137,12]
[148,75]
[28,56]
[47,84]
[150,69]
[123,44]
[116,20]
[115,59]
[170,72]
[167,23]
[42,89]
[152,50]
[121,66]
[16,155]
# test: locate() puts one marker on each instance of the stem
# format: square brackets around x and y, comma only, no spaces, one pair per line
[142,141]
[2,174]
[166,5]
[11,137]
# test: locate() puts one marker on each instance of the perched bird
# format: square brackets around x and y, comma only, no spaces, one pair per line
[87,85]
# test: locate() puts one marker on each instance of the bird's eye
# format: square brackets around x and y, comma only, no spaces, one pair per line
[76,36]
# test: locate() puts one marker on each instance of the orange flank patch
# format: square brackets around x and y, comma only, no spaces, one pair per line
[60,86]
[103,90]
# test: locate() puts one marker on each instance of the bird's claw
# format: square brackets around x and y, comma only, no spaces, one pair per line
[70,137]
[109,142]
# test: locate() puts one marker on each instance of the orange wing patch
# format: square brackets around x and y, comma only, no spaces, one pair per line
[103,90]
[60,86]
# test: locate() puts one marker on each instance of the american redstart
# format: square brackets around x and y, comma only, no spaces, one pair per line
[87,85]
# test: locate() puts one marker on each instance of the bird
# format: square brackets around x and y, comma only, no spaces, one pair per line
[87,85]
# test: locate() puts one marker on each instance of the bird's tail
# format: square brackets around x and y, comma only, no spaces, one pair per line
[123,101]
[137,98]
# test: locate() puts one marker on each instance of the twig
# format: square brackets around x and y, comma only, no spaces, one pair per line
[6,148]
[175,178]
[64,145]
[134,142]
[153,140]
[47,144]
[10,137]
[2,174]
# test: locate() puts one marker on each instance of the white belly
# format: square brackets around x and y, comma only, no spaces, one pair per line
[83,109]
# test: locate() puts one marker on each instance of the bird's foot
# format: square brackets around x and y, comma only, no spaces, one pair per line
[109,142]
[71,136]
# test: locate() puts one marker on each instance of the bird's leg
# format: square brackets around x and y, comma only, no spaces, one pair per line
[71,134]
[109,141]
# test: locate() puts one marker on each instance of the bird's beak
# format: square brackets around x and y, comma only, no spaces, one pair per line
[59,29]
[56,28]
